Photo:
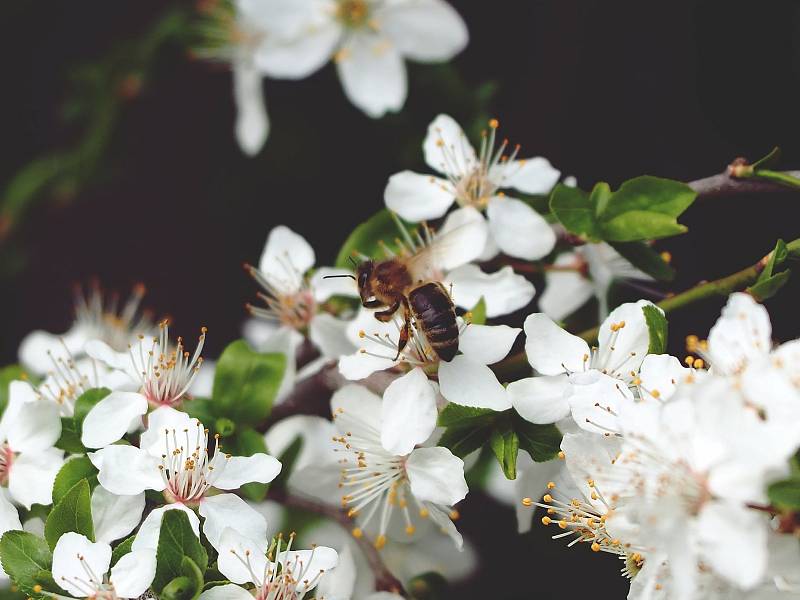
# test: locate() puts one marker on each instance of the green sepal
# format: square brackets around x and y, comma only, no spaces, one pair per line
[72,513]
[769,282]
[505,445]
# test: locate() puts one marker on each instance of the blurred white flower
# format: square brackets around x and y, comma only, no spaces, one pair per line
[81,568]
[384,470]
[475,180]
[577,276]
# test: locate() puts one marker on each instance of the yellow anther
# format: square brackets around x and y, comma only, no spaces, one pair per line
[546,520]
[423,512]
[595,547]
[454,515]
[562,524]
[551,485]
[380,541]
[357,533]
[362,333]
[494,123]
[561,454]
[410,529]
[527,501]
[699,364]
[655,394]
[666,257]
[547,498]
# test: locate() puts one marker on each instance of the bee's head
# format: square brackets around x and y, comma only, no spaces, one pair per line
[363,276]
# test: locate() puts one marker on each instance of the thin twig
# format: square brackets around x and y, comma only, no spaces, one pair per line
[384,580]
[723,184]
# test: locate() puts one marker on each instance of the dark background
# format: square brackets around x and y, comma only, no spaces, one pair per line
[606,90]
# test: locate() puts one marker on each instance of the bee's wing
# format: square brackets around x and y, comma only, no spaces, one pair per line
[461,240]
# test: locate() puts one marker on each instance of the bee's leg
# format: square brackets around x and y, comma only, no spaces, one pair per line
[405,331]
[372,304]
[386,315]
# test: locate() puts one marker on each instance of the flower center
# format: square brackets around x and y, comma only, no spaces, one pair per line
[289,300]
[186,468]
[353,13]
[6,459]
[167,374]
[65,383]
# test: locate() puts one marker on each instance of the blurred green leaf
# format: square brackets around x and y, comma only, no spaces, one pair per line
[644,258]
[368,238]
[7,375]
[505,445]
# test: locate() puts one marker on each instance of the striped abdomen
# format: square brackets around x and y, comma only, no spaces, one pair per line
[435,314]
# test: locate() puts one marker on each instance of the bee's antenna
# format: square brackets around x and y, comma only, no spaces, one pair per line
[353,260]
[353,277]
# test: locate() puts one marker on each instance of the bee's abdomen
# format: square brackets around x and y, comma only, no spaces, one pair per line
[434,312]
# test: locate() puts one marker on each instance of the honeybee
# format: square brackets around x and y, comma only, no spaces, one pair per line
[407,282]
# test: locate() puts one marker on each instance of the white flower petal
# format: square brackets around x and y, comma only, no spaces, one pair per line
[436,475]
[503,291]
[487,344]
[229,591]
[734,542]
[622,352]
[161,420]
[417,197]
[372,73]
[550,349]
[203,383]
[565,291]
[9,517]
[286,257]
[461,239]
[528,175]
[339,583]
[147,536]
[67,566]
[408,412]
[37,347]
[541,400]
[315,433]
[362,406]
[238,470]
[115,516]
[126,470]
[360,365]
[133,573]
[470,383]
[444,140]
[109,419]
[518,229]
[339,286]
[252,123]
[228,510]
[441,518]
[329,334]
[595,400]
[31,478]
[424,30]
[660,374]
[300,55]
[321,559]
[233,547]
[29,426]
[742,333]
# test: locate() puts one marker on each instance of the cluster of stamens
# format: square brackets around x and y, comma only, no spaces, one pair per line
[65,382]
[354,13]
[284,577]
[92,586]
[167,373]
[106,321]
[289,300]
[375,481]
[186,468]
[475,182]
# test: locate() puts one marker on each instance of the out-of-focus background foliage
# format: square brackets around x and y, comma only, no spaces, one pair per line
[125,143]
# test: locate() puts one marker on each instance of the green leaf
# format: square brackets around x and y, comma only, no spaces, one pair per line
[541,442]
[478,312]
[763,290]
[121,549]
[70,439]
[505,445]
[644,258]
[85,403]
[246,443]
[24,557]
[72,513]
[224,427]
[176,540]
[187,586]
[368,237]
[463,440]
[657,328]
[457,415]
[202,409]
[776,257]
[246,382]
[645,208]
[785,494]
[7,375]
[75,469]
[574,209]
